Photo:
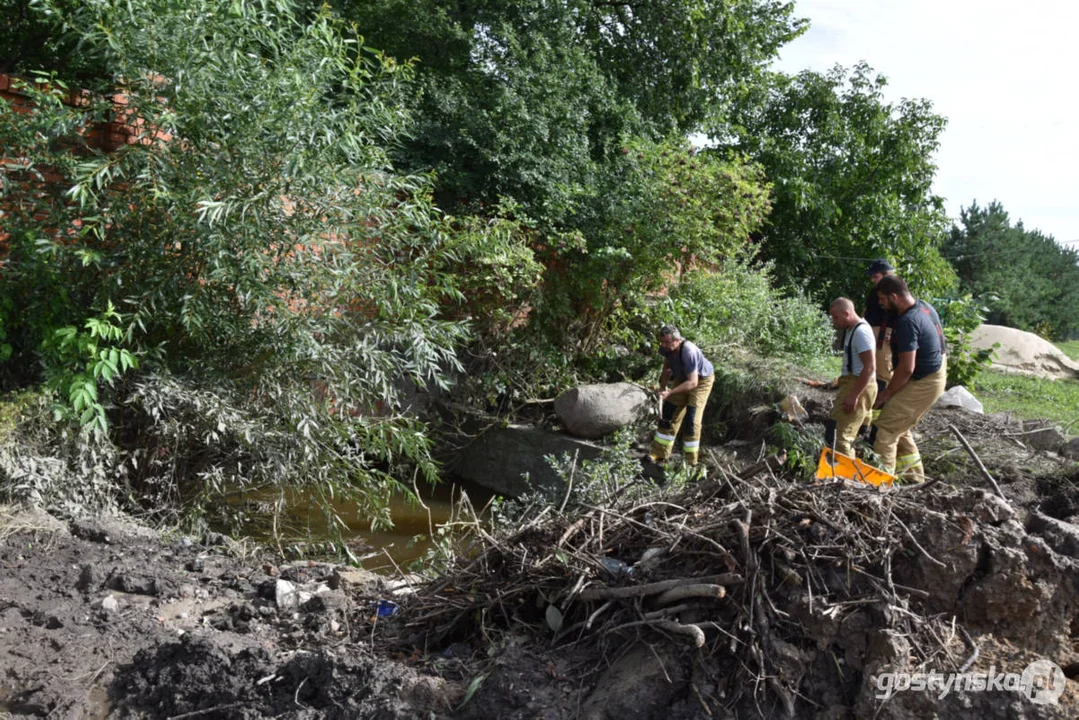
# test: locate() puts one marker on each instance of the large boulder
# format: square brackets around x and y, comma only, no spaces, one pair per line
[593,411]
[1024,352]
[500,458]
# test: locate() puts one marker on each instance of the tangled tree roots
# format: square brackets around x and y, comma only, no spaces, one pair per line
[795,594]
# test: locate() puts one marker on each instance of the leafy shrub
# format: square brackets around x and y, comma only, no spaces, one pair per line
[494,269]
[803,445]
[654,213]
[53,463]
[960,317]
[736,305]
[80,359]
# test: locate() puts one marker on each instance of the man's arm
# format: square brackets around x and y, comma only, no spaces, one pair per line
[868,375]
[689,384]
[900,377]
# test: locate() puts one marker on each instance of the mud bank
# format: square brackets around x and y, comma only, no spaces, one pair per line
[821,593]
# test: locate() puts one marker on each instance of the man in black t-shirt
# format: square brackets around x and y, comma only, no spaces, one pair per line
[920,372]
[879,319]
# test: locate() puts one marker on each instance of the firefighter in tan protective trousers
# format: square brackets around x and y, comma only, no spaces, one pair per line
[693,375]
[880,319]
[919,375]
[857,380]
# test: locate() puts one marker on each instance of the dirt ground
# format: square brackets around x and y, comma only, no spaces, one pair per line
[104,619]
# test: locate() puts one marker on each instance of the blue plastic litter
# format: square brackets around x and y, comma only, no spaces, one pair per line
[616,568]
[387,608]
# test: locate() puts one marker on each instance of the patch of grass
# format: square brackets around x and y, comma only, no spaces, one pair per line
[1070,348]
[1029,397]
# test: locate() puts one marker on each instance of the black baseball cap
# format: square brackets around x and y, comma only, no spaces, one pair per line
[879,266]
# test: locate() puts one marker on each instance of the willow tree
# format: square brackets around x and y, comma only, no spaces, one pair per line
[250,245]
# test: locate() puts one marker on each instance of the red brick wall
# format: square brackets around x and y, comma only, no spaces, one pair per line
[124,128]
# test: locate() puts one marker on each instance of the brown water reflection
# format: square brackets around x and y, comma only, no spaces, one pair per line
[410,520]
[378,550]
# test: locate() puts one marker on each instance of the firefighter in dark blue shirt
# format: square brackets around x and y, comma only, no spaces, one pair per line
[919,374]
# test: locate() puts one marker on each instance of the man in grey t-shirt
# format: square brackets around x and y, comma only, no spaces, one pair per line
[693,376]
[857,382]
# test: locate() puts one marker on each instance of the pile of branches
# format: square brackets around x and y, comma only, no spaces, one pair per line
[733,565]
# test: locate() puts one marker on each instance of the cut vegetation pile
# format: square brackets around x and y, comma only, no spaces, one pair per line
[751,592]
[770,597]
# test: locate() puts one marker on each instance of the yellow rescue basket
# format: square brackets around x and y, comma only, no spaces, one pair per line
[837,465]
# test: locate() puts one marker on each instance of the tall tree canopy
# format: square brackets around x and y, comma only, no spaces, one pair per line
[1025,278]
[852,176]
[523,99]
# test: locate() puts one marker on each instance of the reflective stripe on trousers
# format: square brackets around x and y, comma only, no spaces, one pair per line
[906,463]
[676,408]
[899,416]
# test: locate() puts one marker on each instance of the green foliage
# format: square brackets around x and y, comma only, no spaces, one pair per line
[803,446]
[660,211]
[78,360]
[960,317]
[44,252]
[529,99]
[852,177]
[1029,281]
[495,270]
[34,39]
[279,281]
[737,306]
[1030,397]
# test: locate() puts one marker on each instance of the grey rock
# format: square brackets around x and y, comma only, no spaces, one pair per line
[594,411]
[500,458]
[1043,435]
[133,584]
[356,580]
[1070,449]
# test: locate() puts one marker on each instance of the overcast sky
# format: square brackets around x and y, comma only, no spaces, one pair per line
[1005,74]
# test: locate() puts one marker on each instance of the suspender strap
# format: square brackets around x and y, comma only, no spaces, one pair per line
[849,367]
